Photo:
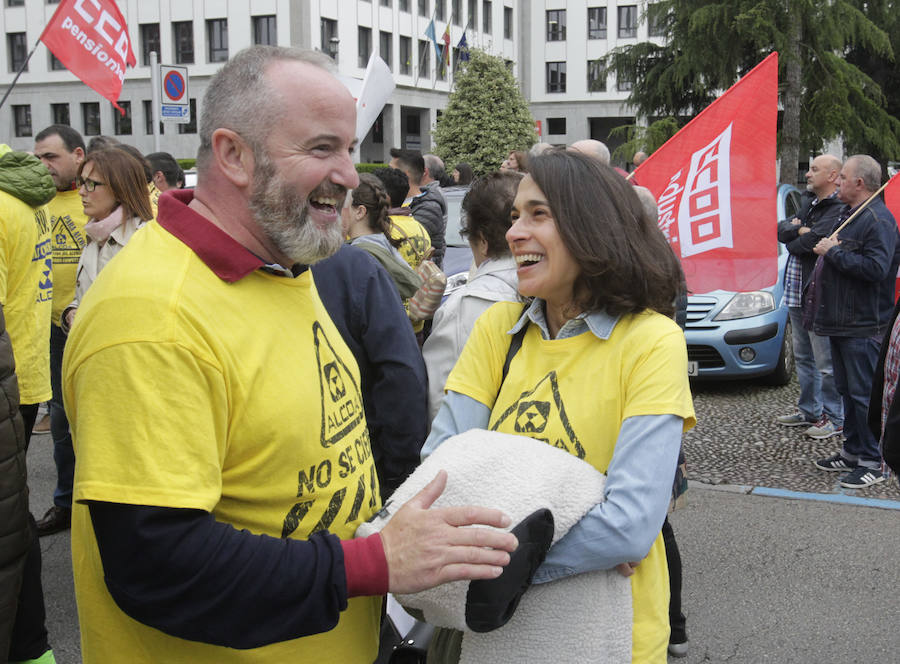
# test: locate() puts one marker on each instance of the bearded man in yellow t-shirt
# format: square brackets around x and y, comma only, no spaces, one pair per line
[61,149]
[223,456]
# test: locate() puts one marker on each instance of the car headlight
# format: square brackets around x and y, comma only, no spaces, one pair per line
[744,305]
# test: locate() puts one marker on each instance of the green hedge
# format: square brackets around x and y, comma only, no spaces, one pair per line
[186,164]
[368,168]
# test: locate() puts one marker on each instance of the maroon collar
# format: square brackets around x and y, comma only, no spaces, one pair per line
[225,256]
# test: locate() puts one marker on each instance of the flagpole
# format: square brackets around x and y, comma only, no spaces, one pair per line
[19,73]
[862,207]
[425,52]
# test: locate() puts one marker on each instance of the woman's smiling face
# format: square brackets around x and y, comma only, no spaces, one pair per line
[546,268]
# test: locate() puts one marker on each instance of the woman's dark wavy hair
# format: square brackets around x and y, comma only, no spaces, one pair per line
[626,263]
[371,193]
[487,208]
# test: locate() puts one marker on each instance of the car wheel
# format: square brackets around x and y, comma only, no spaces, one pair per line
[784,370]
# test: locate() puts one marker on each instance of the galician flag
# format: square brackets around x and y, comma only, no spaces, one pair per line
[715,185]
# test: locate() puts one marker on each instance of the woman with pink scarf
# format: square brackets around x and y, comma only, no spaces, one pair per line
[113,192]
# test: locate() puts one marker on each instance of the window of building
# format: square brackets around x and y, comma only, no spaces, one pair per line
[52,2]
[423,8]
[217,38]
[656,21]
[456,12]
[556,25]
[473,13]
[149,41]
[384,48]
[122,123]
[507,22]
[405,55]
[328,34]
[190,127]
[363,46]
[264,33]
[425,58]
[60,114]
[596,76]
[623,83]
[55,64]
[440,10]
[16,3]
[90,117]
[628,21]
[183,42]
[596,22]
[413,124]
[404,5]
[385,3]
[486,17]
[17,49]
[22,119]
[556,125]
[148,119]
[556,77]
[378,129]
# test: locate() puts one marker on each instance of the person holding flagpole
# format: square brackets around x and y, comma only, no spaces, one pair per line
[850,299]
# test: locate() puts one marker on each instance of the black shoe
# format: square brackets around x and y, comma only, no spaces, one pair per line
[55,520]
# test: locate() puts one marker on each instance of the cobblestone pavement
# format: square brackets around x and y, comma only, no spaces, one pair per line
[736,441]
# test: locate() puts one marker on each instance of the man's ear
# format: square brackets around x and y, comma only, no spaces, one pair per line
[233,156]
[79,155]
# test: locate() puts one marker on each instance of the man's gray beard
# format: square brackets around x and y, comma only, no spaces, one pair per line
[283,217]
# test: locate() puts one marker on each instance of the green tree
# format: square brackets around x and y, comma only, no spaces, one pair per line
[709,44]
[485,118]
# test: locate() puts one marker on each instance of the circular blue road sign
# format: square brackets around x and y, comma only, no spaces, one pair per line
[174,85]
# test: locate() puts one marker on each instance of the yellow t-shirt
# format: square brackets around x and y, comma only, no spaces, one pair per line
[67,219]
[153,193]
[236,398]
[415,246]
[574,394]
[26,292]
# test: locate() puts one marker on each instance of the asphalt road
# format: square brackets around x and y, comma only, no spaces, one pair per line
[798,578]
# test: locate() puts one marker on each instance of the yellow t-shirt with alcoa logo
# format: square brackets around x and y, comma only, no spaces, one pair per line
[240,399]
[574,394]
[67,220]
[26,291]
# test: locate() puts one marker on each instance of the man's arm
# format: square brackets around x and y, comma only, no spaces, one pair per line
[804,243]
[865,256]
[186,574]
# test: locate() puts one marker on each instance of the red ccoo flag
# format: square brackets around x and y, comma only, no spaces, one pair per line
[91,39]
[892,197]
[715,185]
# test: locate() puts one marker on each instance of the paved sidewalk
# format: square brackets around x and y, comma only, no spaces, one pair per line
[767,579]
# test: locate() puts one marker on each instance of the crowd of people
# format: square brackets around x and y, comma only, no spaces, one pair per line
[238,376]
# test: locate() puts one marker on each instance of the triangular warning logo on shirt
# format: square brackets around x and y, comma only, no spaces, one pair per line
[68,240]
[342,408]
[532,414]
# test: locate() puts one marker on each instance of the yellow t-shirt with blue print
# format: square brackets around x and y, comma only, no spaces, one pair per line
[26,293]
[574,394]
[414,249]
[240,399]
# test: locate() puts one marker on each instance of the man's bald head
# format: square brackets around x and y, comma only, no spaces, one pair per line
[592,148]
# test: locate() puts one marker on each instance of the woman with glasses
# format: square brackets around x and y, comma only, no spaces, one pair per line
[113,192]
[600,371]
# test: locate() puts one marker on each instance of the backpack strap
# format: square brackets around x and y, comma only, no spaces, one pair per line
[514,345]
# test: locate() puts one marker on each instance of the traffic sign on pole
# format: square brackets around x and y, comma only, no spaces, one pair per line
[174,102]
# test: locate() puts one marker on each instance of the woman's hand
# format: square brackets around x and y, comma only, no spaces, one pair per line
[626,569]
[70,316]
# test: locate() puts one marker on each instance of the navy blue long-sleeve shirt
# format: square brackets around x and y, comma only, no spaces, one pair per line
[364,304]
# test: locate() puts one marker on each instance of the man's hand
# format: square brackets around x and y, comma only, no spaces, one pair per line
[795,222]
[626,569]
[824,245]
[427,547]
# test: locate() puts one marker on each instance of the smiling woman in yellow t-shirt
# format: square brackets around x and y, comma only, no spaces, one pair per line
[601,373]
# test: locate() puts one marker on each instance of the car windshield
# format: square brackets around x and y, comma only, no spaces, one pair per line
[454,196]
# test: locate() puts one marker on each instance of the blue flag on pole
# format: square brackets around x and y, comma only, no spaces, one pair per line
[429,32]
[463,47]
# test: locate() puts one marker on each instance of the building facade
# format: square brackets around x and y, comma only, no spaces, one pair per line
[551,46]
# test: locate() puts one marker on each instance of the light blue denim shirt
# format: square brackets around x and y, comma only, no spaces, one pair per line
[638,482]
